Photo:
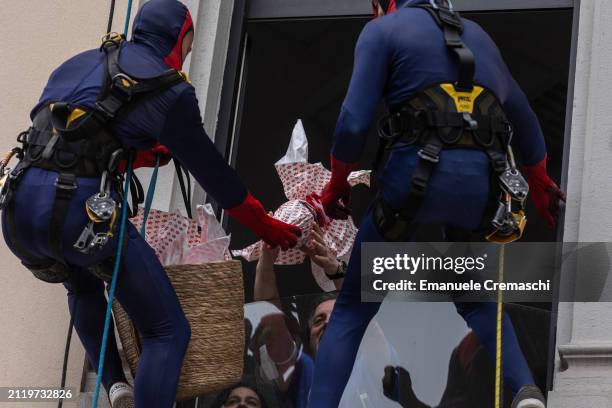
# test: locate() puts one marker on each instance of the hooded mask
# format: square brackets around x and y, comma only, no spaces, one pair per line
[162,26]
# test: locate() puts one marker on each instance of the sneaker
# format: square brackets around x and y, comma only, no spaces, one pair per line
[529,396]
[121,395]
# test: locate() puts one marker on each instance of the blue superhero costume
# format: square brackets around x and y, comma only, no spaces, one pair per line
[171,118]
[396,57]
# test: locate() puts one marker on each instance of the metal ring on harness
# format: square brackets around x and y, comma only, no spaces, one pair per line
[65,165]
[432,124]
[470,125]
[455,140]
[492,137]
[22,137]
[34,153]
[386,122]
[111,39]
[126,85]
[383,125]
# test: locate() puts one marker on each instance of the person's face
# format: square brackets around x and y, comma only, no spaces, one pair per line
[187,43]
[377,8]
[319,322]
[242,397]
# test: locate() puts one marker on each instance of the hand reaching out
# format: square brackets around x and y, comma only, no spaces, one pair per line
[320,253]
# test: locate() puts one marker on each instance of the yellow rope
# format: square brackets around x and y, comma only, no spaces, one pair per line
[498,348]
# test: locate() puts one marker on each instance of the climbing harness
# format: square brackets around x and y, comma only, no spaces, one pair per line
[450,116]
[76,141]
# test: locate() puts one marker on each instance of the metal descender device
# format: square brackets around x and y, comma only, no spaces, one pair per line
[508,224]
[101,208]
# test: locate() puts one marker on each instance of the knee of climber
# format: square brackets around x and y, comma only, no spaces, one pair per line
[82,283]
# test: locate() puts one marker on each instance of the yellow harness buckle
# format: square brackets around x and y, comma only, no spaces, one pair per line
[464,101]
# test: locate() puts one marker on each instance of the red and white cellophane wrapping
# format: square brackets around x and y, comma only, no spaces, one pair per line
[300,179]
[177,241]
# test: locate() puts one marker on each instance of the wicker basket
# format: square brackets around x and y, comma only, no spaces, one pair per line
[212,297]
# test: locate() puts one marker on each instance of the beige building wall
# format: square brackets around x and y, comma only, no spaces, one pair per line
[37,35]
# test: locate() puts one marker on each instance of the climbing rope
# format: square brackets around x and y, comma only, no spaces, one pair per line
[113,285]
[111,14]
[127,18]
[120,245]
[499,383]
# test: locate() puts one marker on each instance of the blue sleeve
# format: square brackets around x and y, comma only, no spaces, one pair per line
[301,381]
[184,135]
[368,81]
[528,136]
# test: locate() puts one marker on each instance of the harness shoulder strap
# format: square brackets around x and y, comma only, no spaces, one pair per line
[120,89]
[452,26]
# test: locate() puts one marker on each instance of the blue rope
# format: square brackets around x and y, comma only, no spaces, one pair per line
[127,18]
[113,285]
[149,199]
[120,243]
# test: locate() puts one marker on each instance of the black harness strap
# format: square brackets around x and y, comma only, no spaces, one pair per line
[122,88]
[185,191]
[398,225]
[65,185]
[137,195]
[452,26]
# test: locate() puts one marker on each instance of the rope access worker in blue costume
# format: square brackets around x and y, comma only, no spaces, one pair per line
[60,200]
[453,106]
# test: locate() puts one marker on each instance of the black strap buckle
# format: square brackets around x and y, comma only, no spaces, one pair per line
[107,112]
[419,185]
[122,90]
[430,154]
[124,85]
[66,182]
[16,172]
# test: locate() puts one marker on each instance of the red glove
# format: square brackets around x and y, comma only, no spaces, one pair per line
[544,192]
[147,158]
[252,215]
[337,193]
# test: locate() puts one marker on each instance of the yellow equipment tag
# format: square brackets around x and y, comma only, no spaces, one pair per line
[185,77]
[464,101]
[74,115]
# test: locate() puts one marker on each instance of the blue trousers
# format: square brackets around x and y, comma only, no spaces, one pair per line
[457,196]
[143,289]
